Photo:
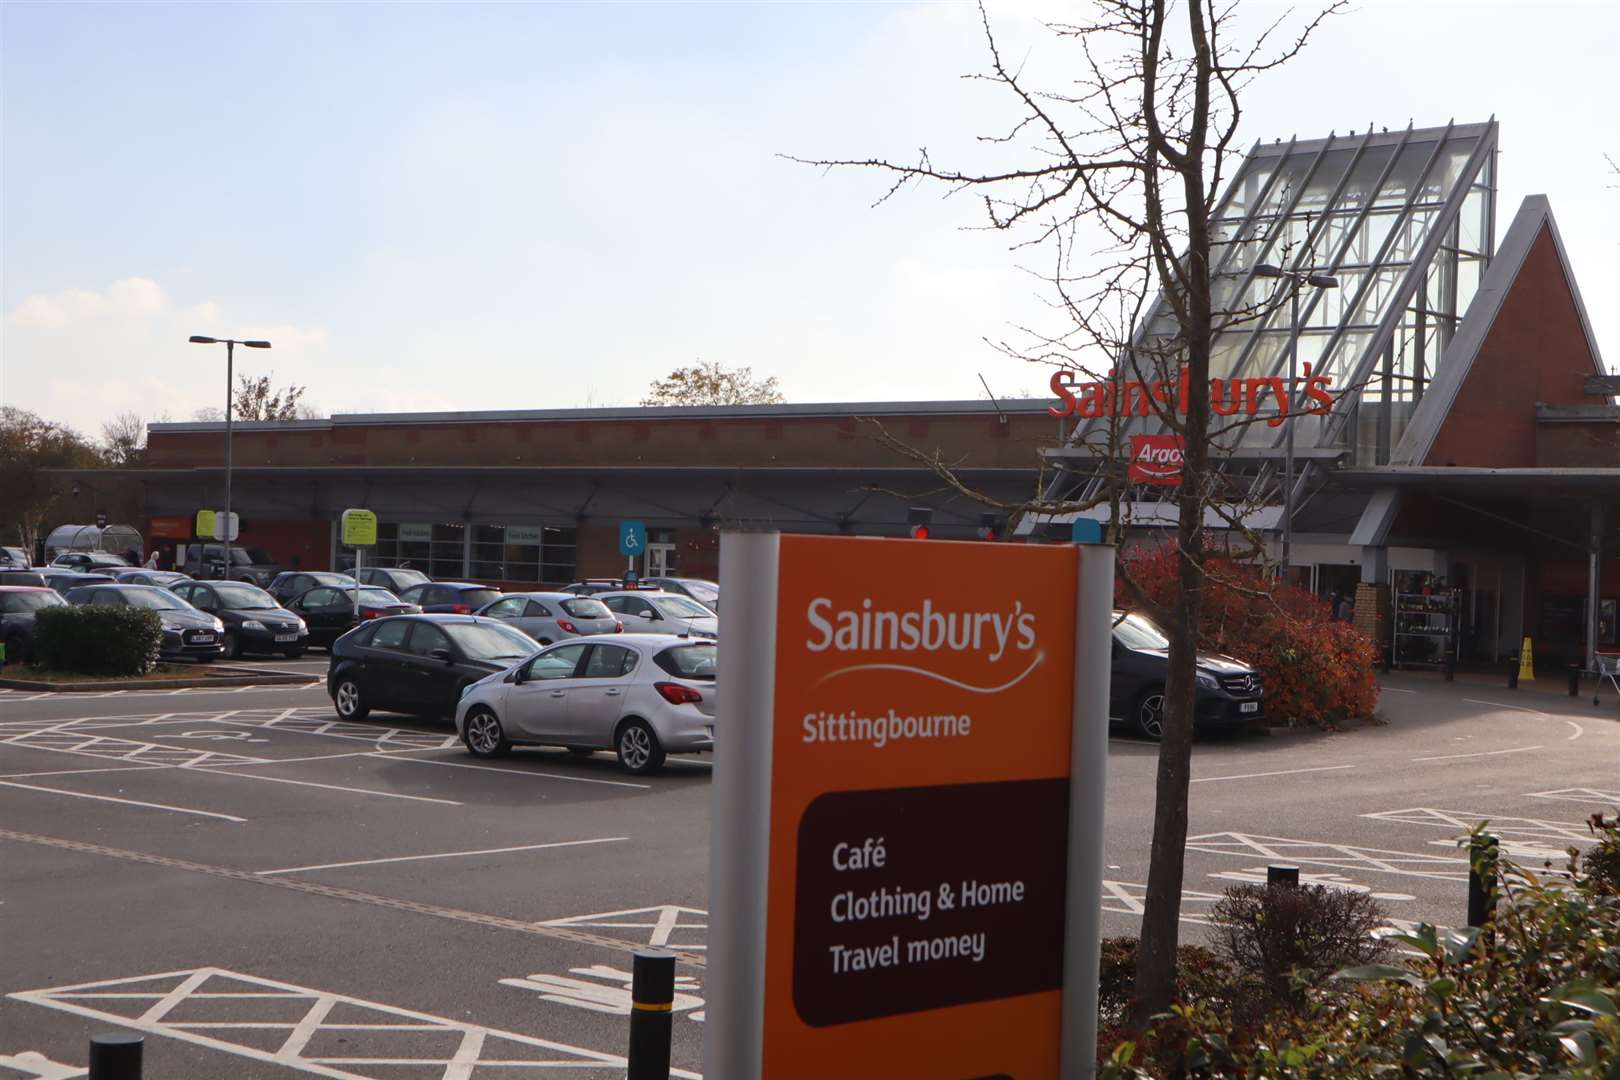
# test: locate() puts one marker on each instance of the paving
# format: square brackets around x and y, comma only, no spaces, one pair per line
[265,891]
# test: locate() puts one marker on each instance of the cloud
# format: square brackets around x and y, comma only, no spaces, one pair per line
[135,297]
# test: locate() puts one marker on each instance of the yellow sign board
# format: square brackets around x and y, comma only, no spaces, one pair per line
[205,524]
[359,528]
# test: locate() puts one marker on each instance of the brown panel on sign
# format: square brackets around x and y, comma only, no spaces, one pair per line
[919,898]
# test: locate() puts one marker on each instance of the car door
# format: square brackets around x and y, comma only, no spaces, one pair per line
[435,681]
[509,610]
[537,705]
[384,665]
[540,622]
[637,615]
[597,701]
[328,612]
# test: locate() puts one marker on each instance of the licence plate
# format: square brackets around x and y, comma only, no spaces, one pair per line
[286,637]
[204,636]
[1249,706]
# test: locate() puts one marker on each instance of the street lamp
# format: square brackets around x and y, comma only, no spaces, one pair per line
[230,357]
[1294,279]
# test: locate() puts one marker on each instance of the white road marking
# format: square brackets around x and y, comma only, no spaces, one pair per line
[526,772]
[443,855]
[1579,731]
[1578,795]
[327,757]
[1129,898]
[661,921]
[1279,772]
[126,802]
[1395,690]
[1330,856]
[1482,753]
[1528,838]
[329,787]
[477,1048]
[81,772]
[37,1066]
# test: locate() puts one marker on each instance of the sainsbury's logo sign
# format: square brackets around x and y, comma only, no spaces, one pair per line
[925,629]
[1227,397]
[1156,459]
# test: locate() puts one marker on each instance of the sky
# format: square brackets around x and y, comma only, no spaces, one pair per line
[469,206]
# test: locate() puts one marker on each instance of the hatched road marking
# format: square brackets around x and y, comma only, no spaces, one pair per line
[395,1037]
[1330,856]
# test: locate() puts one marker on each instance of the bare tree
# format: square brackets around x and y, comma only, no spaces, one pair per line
[710,384]
[1113,178]
[257,398]
[123,438]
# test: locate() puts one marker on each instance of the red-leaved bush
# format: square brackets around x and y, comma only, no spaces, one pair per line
[1318,670]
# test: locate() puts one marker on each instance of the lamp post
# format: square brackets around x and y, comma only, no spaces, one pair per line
[230,358]
[1294,279]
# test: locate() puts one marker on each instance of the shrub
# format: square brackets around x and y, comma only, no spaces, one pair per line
[1201,976]
[1600,866]
[1318,669]
[1291,936]
[97,640]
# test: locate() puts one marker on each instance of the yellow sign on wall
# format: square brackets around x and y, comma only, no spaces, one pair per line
[359,528]
[205,524]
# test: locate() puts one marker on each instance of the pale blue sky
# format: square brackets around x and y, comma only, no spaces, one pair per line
[530,206]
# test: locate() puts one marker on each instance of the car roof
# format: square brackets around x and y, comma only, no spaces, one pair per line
[26,588]
[457,585]
[646,594]
[549,595]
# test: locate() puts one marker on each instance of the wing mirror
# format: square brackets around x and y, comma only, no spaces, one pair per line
[517,678]
[441,655]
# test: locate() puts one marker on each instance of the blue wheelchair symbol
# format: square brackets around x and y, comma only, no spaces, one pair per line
[632,538]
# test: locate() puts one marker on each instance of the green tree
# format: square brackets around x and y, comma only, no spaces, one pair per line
[257,398]
[30,445]
[711,384]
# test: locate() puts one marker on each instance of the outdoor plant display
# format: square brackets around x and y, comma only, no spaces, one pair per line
[93,640]
[1318,670]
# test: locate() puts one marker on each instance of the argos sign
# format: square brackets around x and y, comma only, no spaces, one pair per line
[1227,397]
[1156,459]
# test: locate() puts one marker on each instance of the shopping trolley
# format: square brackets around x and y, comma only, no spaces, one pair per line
[1608,667]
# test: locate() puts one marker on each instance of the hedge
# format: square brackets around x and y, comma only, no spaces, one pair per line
[97,640]
[1318,670]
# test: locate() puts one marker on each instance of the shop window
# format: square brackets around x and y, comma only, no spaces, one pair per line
[434,549]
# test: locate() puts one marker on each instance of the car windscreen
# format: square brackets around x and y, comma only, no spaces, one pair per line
[1135,632]
[19,603]
[681,607]
[155,599]
[250,556]
[477,597]
[375,597]
[489,641]
[406,578]
[706,592]
[235,597]
[694,661]
[586,608]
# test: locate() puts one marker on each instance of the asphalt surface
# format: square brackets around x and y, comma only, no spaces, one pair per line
[266,892]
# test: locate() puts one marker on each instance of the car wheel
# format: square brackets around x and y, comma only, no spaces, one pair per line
[1147,716]
[483,735]
[350,703]
[233,646]
[639,750]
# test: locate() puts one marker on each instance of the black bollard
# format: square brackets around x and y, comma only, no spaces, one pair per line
[1482,853]
[115,1055]
[1574,680]
[1451,669]
[652,995]
[1513,673]
[1282,874]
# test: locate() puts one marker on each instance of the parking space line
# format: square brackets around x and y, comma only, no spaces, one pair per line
[443,855]
[1482,753]
[126,802]
[329,787]
[321,757]
[525,772]
[1257,775]
[81,772]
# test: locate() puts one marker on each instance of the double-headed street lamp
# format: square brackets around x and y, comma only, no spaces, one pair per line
[1294,279]
[230,357]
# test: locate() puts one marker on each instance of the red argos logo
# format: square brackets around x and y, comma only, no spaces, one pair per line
[1156,459]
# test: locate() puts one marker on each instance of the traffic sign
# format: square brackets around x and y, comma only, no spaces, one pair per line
[632,538]
[359,528]
[906,867]
[205,524]
[227,527]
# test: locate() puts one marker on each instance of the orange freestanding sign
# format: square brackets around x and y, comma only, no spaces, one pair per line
[906,861]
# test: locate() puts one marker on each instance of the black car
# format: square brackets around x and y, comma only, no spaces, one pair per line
[449,597]
[24,578]
[187,632]
[290,583]
[64,580]
[393,578]
[15,558]
[250,564]
[419,663]
[18,603]
[89,562]
[140,575]
[1230,693]
[254,622]
[329,611]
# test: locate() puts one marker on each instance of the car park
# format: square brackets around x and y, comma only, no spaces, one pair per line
[704,592]
[551,617]
[187,632]
[418,663]
[250,564]
[18,605]
[290,583]
[89,562]
[329,611]
[15,558]
[396,579]
[139,575]
[1229,692]
[24,578]
[253,621]
[449,597]
[64,581]
[661,613]
[644,696]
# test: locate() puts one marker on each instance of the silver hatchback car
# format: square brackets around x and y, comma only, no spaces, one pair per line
[551,616]
[645,612]
[641,695]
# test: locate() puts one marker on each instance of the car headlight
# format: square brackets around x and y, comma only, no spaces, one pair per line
[252,624]
[303,627]
[219,627]
[1206,679]
[465,690]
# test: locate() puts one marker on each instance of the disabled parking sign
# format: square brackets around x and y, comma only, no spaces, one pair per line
[632,538]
